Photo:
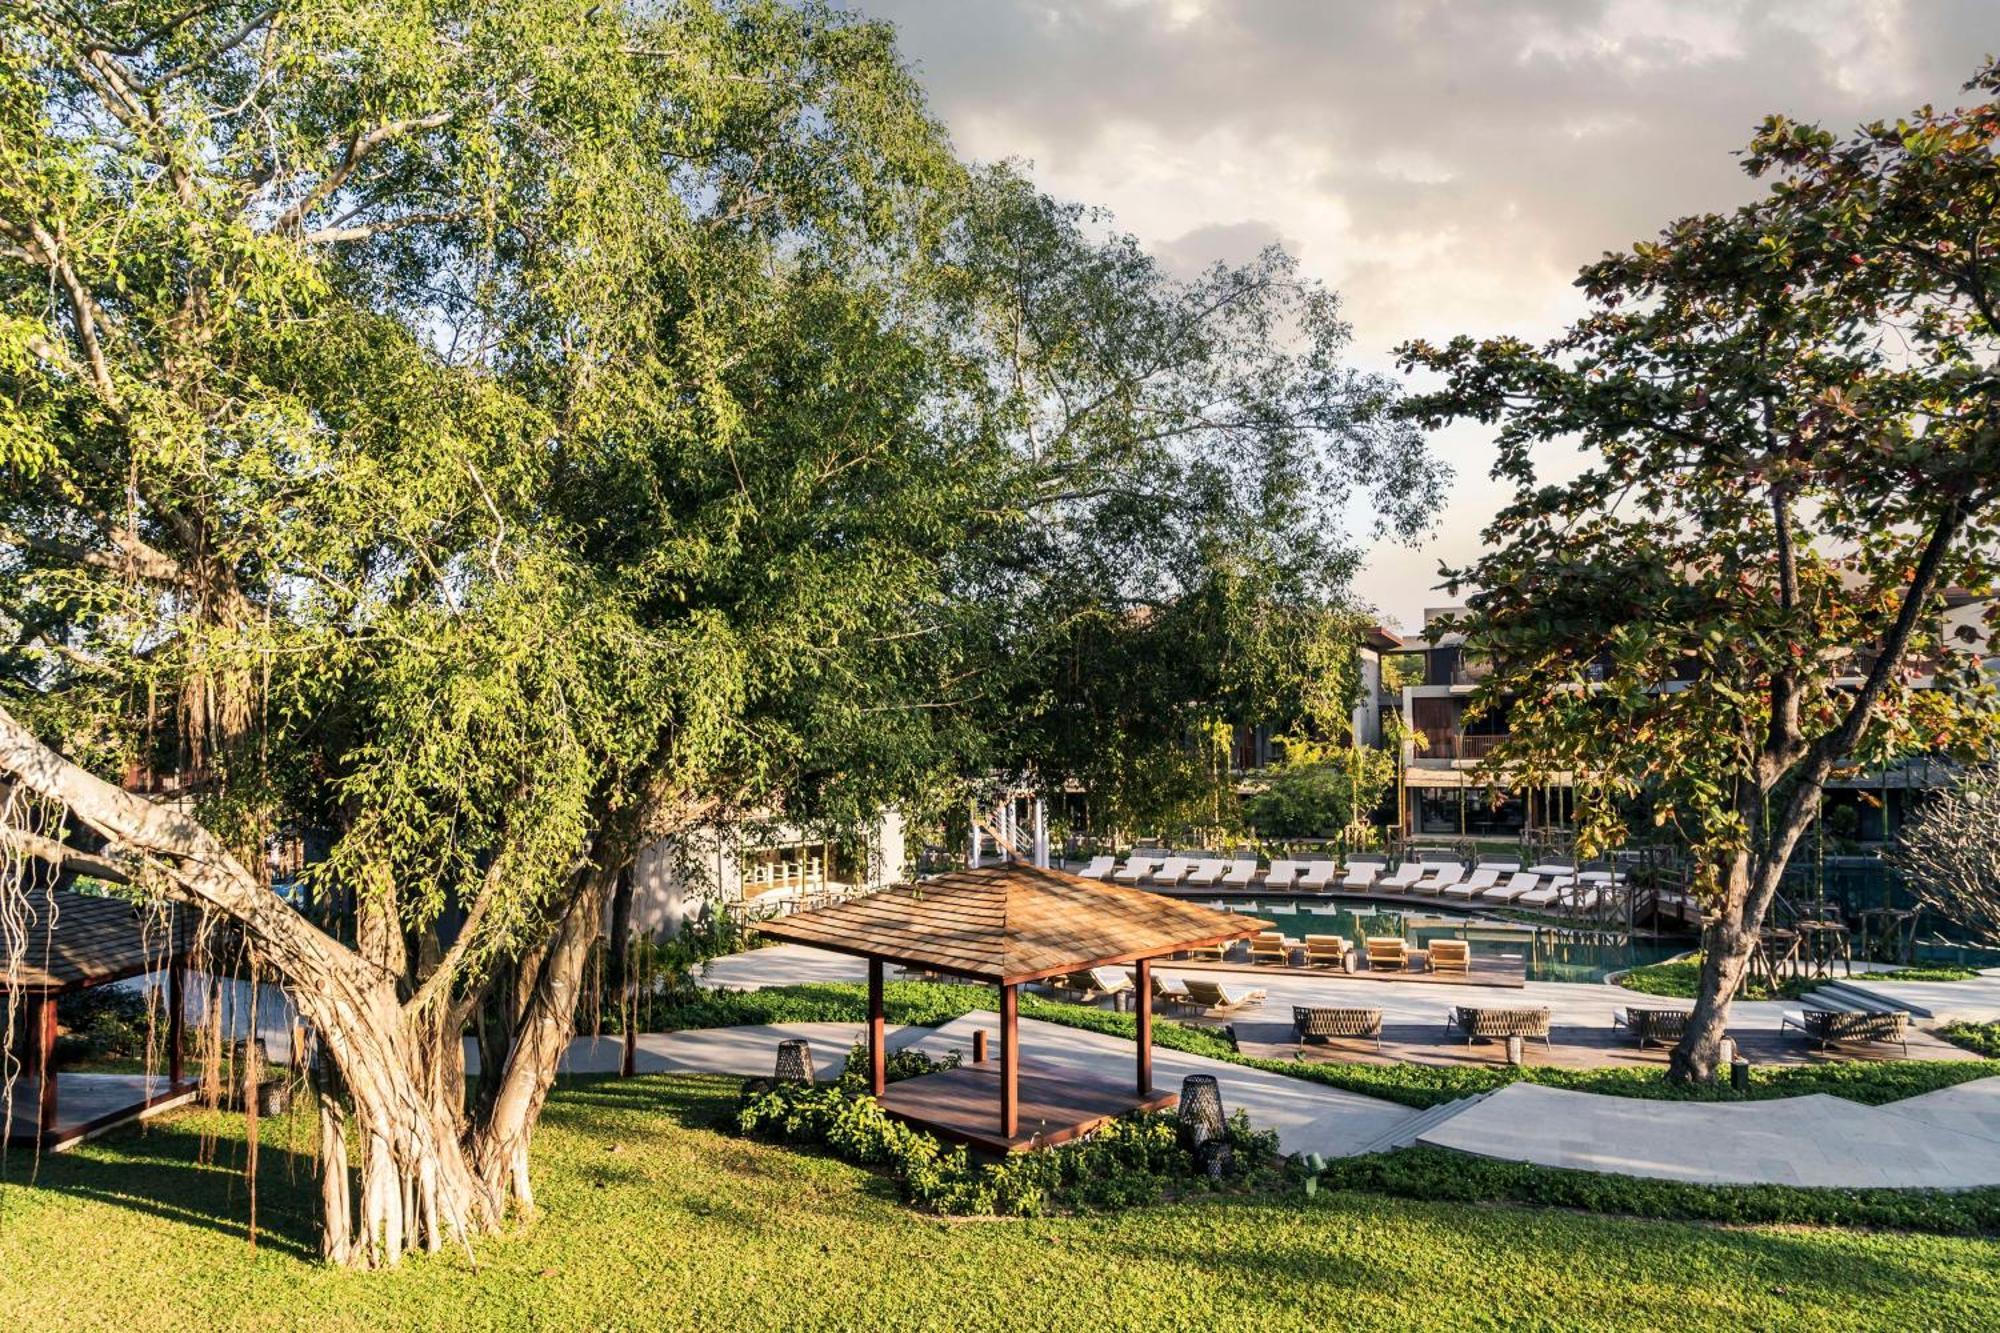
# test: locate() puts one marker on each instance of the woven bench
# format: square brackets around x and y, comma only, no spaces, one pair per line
[1499,1023]
[1311,1023]
[1647,1026]
[1834,1027]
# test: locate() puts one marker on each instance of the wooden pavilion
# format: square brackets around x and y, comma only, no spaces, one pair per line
[1007,925]
[74,941]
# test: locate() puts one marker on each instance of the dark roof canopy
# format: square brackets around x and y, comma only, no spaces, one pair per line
[1010,923]
[76,940]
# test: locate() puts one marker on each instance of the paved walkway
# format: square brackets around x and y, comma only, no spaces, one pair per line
[1974,1001]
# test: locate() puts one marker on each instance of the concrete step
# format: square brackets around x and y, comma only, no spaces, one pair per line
[1405,1132]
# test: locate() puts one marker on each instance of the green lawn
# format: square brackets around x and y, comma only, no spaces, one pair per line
[653,1217]
[1679,977]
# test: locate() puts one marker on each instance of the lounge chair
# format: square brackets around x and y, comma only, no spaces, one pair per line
[1402,877]
[1360,874]
[1205,873]
[1099,867]
[1520,882]
[1495,1024]
[1326,950]
[1217,997]
[1545,895]
[1833,1027]
[1554,870]
[1482,878]
[1451,956]
[1318,877]
[1137,868]
[1439,878]
[1239,873]
[1270,946]
[1205,953]
[1095,983]
[1170,989]
[1387,953]
[1313,1023]
[1282,874]
[1647,1026]
[1172,870]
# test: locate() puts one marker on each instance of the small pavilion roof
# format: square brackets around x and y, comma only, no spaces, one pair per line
[76,940]
[1010,924]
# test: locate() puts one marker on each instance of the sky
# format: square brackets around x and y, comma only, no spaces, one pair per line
[1446,166]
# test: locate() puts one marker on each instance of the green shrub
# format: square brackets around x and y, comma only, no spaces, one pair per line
[1679,977]
[1440,1175]
[105,1023]
[1983,1038]
[897,1065]
[1132,1160]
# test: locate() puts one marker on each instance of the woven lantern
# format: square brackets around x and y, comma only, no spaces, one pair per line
[795,1061]
[1201,1110]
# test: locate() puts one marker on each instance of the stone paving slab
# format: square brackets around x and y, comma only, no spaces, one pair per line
[1816,1140]
[1973,1001]
[1970,1108]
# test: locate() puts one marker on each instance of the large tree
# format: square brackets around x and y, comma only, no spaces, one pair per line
[1790,422]
[498,434]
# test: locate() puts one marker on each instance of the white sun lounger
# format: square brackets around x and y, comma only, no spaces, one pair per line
[1437,879]
[1099,867]
[1206,872]
[1545,895]
[1282,874]
[1240,872]
[1360,874]
[1318,876]
[1137,868]
[1518,883]
[1173,870]
[1405,875]
[1482,878]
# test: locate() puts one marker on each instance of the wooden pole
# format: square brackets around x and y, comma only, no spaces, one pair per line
[176,1018]
[1142,987]
[979,1047]
[42,1033]
[878,1069]
[1010,1061]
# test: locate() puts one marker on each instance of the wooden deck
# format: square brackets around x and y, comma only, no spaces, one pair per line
[89,1104]
[1509,971]
[963,1105]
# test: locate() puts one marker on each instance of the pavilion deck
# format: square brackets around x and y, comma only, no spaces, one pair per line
[92,1103]
[962,1105]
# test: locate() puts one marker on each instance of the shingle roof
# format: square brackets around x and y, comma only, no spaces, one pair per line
[87,940]
[1010,923]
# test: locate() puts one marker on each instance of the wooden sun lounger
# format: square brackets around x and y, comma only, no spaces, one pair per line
[1326,950]
[1450,956]
[1387,953]
[1270,946]
[1218,997]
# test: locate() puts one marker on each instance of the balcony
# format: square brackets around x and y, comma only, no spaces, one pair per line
[1454,746]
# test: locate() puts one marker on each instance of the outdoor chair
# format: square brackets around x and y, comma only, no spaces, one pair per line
[1652,1026]
[1451,956]
[1545,895]
[1326,951]
[1205,953]
[1360,874]
[1282,874]
[1387,953]
[1312,1023]
[1400,879]
[1438,878]
[1518,883]
[1240,872]
[1270,946]
[1099,867]
[1137,868]
[1481,878]
[1833,1027]
[1217,997]
[1169,989]
[1499,1024]
[1172,870]
[1318,876]
[1205,873]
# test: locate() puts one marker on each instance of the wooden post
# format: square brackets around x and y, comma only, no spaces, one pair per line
[979,1047]
[42,1043]
[176,1019]
[1010,1061]
[878,1069]
[1142,991]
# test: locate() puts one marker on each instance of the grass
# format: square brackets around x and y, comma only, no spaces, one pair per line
[1979,1038]
[1678,978]
[651,1216]
[929,1004]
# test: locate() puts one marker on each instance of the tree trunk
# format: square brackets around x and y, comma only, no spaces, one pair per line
[1727,943]
[417,1187]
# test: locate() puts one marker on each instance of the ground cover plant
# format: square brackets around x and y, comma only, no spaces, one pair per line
[654,1211]
[1680,977]
[931,1004]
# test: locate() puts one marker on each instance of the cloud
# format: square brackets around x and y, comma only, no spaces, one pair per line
[1446,165]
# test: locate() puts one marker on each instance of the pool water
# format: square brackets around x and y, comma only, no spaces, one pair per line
[1550,955]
